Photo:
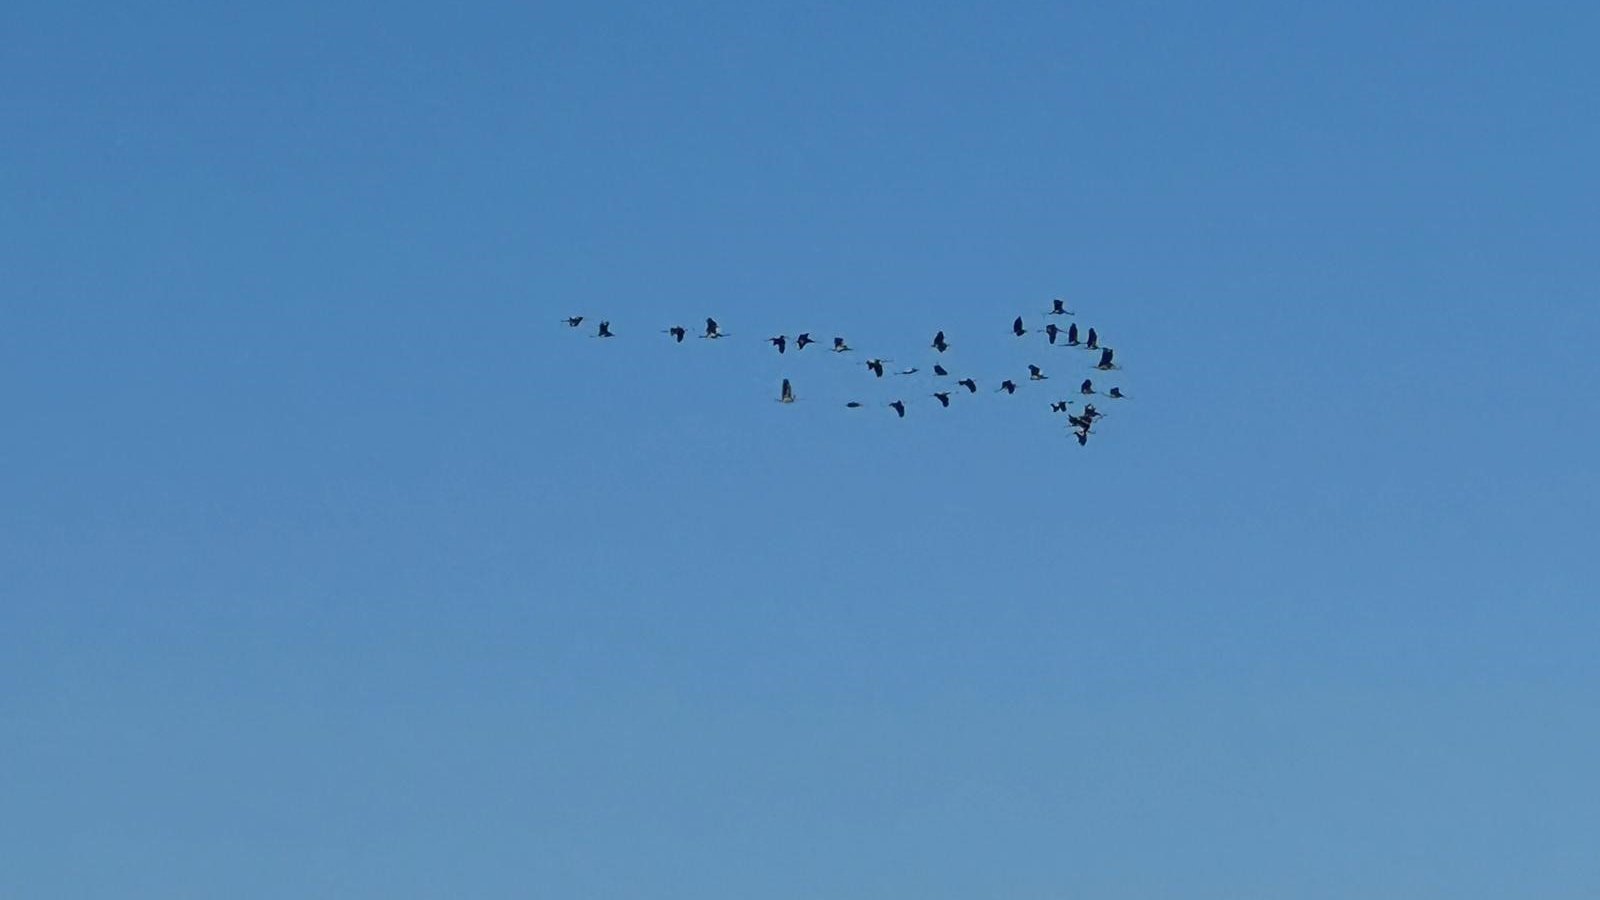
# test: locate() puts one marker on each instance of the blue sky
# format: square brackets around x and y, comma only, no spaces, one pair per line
[331,565]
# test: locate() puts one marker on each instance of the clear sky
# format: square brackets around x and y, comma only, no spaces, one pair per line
[332,566]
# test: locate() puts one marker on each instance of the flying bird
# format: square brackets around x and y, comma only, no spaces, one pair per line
[939,343]
[1017,329]
[1050,332]
[1094,341]
[1058,307]
[911,371]
[1105,363]
[944,398]
[788,393]
[574,321]
[605,330]
[1072,335]
[1008,386]
[1087,387]
[939,370]
[780,342]
[876,365]
[804,339]
[899,408]
[1082,435]
[1060,406]
[1116,394]
[1036,374]
[853,404]
[677,332]
[1083,422]
[969,384]
[839,346]
[1090,413]
[712,331]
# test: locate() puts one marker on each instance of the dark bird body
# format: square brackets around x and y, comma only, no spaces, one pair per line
[876,365]
[943,397]
[939,370]
[574,321]
[1105,363]
[1008,386]
[804,339]
[1093,343]
[1058,307]
[1072,335]
[969,384]
[787,395]
[605,330]
[780,342]
[1116,394]
[1087,387]
[939,343]
[677,332]
[899,408]
[1050,332]
[839,346]
[1016,327]
[1036,374]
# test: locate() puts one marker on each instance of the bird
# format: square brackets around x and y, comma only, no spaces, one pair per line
[1072,335]
[804,339]
[1084,422]
[939,343]
[1017,329]
[677,332]
[780,342]
[839,346]
[1060,406]
[969,384]
[1090,413]
[1087,387]
[712,331]
[1050,332]
[605,330]
[1116,394]
[1008,386]
[911,371]
[1082,435]
[876,365]
[899,408]
[1093,343]
[944,398]
[939,370]
[1036,374]
[1058,307]
[1105,363]
[853,404]
[787,396]
[573,321]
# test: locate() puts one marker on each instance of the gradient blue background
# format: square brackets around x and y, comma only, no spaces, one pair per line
[332,566]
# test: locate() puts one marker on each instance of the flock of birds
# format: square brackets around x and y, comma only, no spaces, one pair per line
[1081,422]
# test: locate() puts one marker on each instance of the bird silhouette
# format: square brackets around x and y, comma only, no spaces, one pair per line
[605,330]
[1105,364]
[804,339]
[1050,332]
[969,384]
[712,330]
[1087,387]
[1090,413]
[839,346]
[574,321]
[1036,374]
[853,404]
[1116,394]
[1082,435]
[1058,307]
[780,342]
[1080,421]
[1008,386]
[1060,406]
[677,332]
[1017,329]
[1072,335]
[1093,343]
[939,343]
[899,408]
[787,396]
[911,371]
[944,398]
[876,365]
[939,370]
